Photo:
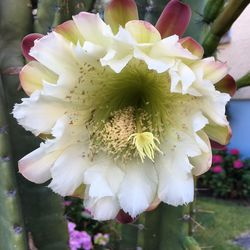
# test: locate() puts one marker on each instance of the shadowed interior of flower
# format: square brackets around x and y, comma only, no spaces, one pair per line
[132,112]
[127,110]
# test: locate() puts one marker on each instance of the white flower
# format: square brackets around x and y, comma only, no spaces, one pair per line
[126,111]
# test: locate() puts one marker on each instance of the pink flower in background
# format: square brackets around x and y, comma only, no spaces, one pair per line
[78,239]
[71,226]
[217,169]
[234,151]
[238,164]
[101,239]
[217,159]
[67,203]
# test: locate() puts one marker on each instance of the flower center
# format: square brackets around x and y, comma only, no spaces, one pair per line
[131,112]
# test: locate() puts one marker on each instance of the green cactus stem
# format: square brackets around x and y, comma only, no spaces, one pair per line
[65,9]
[50,13]
[152,232]
[12,232]
[44,17]
[222,24]
[189,243]
[212,10]
[129,236]
[42,210]
[172,228]
[244,81]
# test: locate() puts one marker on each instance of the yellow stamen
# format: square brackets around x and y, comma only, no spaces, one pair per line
[145,144]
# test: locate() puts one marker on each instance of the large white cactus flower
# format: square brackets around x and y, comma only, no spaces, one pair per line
[125,109]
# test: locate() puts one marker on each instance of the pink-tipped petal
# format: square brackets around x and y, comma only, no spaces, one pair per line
[32,76]
[142,31]
[28,43]
[119,12]
[69,31]
[174,19]
[93,28]
[219,134]
[214,70]
[227,85]
[194,47]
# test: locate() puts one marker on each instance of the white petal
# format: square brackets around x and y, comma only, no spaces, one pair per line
[93,50]
[158,64]
[121,52]
[102,209]
[203,161]
[187,76]
[184,141]
[104,179]
[169,47]
[124,37]
[39,113]
[32,76]
[138,189]
[115,61]
[54,52]
[93,28]
[142,31]
[213,106]
[199,122]
[36,165]
[176,185]
[67,175]
[182,78]
[214,71]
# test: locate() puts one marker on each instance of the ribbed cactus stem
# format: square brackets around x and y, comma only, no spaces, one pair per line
[129,233]
[42,210]
[12,233]
[89,5]
[152,235]
[189,243]
[212,10]
[50,13]
[222,24]
[173,227]
[62,12]
[244,81]
[44,17]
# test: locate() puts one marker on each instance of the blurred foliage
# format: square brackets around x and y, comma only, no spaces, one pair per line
[229,176]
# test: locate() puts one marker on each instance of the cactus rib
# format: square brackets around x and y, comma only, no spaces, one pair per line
[222,24]
[12,233]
